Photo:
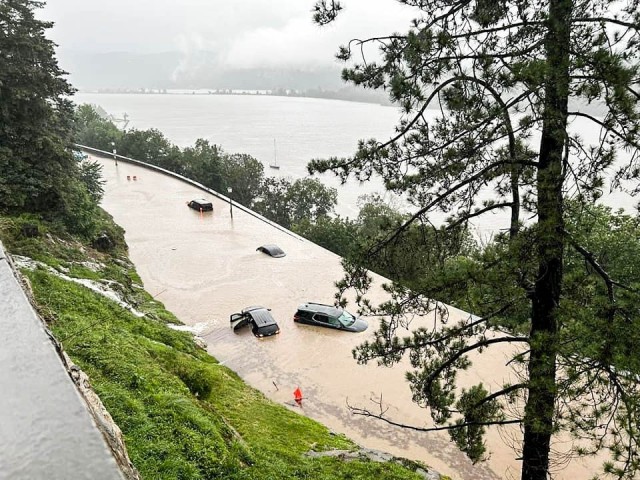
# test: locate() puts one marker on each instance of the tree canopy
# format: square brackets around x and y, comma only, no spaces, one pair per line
[35,113]
[290,203]
[487,91]
[40,172]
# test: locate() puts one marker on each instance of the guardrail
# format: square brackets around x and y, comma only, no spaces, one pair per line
[110,155]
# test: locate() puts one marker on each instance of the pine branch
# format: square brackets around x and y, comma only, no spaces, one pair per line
[469,348]
[367,413]
[607,128]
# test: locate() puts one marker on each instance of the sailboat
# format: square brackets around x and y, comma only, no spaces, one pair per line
[274,164]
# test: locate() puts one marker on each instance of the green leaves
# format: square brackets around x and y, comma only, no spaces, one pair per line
[305,200]
[35,130]
[478,411]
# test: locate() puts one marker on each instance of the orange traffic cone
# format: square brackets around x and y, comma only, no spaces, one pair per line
[297,396]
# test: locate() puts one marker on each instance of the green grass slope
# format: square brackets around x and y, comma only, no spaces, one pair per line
[183,416]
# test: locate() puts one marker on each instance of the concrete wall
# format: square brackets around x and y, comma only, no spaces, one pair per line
[46,430]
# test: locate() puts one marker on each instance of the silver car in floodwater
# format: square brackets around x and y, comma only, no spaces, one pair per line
[329,316]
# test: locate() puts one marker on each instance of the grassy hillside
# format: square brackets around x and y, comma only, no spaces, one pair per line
[182,414]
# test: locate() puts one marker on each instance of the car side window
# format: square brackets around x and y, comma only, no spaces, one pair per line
[319,317]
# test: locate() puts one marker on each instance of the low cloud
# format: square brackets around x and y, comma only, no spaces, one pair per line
[220,34]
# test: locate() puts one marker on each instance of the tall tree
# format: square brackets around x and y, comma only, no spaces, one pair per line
[36,164]
[245,175]
[95,131]
[479,82]
[286,203]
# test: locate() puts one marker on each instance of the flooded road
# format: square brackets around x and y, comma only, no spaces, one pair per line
[205,267]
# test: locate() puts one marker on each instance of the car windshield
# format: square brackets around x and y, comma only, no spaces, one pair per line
[347,319]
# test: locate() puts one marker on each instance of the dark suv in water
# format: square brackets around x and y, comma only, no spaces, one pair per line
[262,322]
[201,204]
[329,316]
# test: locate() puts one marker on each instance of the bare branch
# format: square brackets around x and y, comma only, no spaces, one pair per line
[445,194]
[461,352]
[500,393]
[590,257]
[468,215]
[366,413]
[501,28]
[632,26]
[606,127]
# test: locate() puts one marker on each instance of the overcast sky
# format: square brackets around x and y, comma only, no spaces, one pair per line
[242,33]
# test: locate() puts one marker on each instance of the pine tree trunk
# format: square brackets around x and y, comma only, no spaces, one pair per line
[539,411]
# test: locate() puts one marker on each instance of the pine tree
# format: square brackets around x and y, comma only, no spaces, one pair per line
[36,164]
[503,79]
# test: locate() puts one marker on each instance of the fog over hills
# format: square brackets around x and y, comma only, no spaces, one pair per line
[123,70]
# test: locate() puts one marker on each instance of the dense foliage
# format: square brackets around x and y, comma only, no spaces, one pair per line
[38,169]
[480,83]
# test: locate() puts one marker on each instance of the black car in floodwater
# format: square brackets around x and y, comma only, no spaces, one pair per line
[262,322]
[201,204]
[329,316]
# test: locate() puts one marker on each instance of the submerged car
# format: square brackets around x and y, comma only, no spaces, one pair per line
[329,316]
[272,250]
[262,322]
[201,204]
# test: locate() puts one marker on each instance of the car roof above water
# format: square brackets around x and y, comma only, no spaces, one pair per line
[261,316]
[321,308]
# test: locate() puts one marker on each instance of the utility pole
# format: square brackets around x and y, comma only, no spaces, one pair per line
[115,156]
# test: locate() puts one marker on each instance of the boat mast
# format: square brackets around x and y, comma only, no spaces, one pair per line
[275,156]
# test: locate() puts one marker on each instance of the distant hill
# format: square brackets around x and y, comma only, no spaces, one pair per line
[91,71]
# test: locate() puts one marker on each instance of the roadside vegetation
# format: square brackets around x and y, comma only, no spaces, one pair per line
[304,206]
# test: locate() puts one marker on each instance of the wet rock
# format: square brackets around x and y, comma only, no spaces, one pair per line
[30,230]
[377,456]
[103,243]
[200,342]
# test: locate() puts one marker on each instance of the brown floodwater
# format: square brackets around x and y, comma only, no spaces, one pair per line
[204,267]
